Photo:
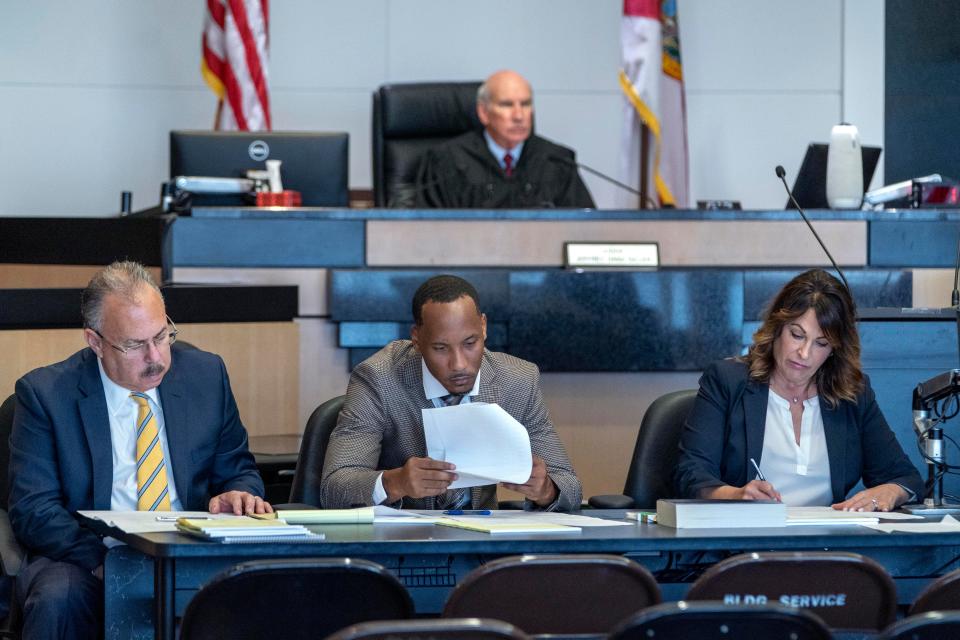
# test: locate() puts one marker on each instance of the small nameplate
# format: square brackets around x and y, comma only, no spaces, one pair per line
[611,255]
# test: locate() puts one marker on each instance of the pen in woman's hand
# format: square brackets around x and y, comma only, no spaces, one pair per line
[757,467]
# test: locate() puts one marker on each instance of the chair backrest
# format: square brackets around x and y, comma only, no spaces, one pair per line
[6,427]
[655,454]
[313,449]
[846,590]
[716,621]
[427,629]
[408,119]
[943,594]
[559,594]
[931,625]
[296,598]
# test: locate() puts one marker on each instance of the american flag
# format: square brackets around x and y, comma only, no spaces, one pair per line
[234,64]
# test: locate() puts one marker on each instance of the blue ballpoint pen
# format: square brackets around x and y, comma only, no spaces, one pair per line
[467,512]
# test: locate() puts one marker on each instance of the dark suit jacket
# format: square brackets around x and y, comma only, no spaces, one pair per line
[462,174]
[61,457]
[726,428]
[381,426]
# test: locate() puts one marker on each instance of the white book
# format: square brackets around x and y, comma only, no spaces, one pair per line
[721,514]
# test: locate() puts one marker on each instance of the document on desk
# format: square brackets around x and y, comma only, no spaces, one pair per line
[498,524]
[147,521]
[485,442]
[949,524]
[830,516]
[362,515]
[389,515]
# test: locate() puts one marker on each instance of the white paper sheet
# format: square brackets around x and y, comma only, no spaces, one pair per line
[388,515]
[830,516]
[947,525]
[485,442]
[567,519]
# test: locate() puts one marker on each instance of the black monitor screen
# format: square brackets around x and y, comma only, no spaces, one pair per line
[315,164]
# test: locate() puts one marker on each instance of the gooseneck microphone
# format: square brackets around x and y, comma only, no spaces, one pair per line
[781,174]
[599,174]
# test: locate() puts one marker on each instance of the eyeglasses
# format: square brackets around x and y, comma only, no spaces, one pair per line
[137,347]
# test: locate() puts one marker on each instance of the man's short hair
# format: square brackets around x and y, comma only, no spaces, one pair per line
[442,289]
[483,93]
[123,279]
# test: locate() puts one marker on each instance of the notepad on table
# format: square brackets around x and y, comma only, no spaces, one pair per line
[494,525]
[245,529]
[721,514]
[363,515]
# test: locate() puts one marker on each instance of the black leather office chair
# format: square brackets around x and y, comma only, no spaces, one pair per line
[555,594]
[932,625]
[855,592]
[11,553]
[654,460]
[716,621]
[313,449]
[292,599]
[430,629]
[408,119]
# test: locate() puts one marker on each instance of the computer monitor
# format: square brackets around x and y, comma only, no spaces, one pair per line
[810,187]
[315,164]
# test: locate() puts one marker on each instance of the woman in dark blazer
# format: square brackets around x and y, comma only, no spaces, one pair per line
[800,407]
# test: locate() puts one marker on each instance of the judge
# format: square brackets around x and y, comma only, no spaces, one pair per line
[503,166]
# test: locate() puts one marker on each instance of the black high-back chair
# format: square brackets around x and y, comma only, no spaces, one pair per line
[293,599]
[313,449]
[654,460]
[11,553]
[555,594]
[432,629]
[408,119]
[847,591]
[943,594]
[932,625]
[716,621]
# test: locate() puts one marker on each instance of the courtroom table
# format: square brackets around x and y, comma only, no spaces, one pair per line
[159,572]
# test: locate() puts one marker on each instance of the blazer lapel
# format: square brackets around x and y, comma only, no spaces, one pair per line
[834,431]
[755,398]
[96,425]
[176,421]
[489,390]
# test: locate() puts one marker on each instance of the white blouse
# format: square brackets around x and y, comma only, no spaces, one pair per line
[800,472]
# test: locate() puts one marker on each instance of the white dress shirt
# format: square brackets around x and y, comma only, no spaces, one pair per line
[122,411]
[800,472]
[433,390]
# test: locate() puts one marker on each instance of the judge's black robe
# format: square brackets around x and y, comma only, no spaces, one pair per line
[462,174]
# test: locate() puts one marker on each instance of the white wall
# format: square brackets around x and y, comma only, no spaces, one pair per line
[90,89]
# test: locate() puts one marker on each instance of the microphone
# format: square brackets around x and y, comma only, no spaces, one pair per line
[781,174]
[601,175]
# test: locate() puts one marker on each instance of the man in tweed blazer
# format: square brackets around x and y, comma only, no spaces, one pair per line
[377,452]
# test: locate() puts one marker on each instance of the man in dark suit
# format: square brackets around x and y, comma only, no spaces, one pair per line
[504,165]
[127,423]
[377,452]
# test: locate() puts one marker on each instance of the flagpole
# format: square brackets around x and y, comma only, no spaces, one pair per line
[216,117]
[644,165]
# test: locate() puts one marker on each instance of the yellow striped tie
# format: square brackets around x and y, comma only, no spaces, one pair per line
[153,494]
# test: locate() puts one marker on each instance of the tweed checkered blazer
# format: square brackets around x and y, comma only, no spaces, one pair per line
[381,427]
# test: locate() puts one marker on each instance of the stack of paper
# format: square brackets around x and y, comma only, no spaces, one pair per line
[243,529]
[831,516]
[721,514]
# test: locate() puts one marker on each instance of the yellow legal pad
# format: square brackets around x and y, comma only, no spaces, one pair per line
[494,525]
[363,515]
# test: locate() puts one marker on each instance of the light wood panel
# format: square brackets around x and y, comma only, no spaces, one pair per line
[530,243]
[52,276]
[262,360]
